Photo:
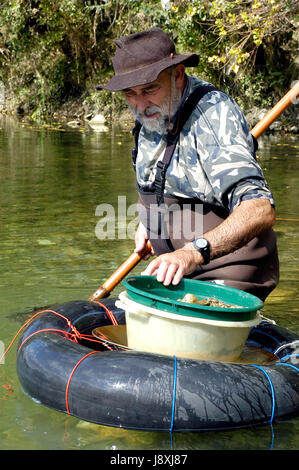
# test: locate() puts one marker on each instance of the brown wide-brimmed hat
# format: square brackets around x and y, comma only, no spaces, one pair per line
[140,57]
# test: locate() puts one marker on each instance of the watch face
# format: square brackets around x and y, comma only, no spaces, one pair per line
[201,243]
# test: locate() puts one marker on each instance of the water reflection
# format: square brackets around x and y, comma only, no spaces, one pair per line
[56,431]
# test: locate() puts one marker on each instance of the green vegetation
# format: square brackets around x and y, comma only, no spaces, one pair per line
[53,52]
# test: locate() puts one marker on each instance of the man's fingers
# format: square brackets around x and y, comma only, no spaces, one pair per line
[177,277]
[141,238]
[170,268]
[162,270]
[151,269]
[170,274]
[140,245]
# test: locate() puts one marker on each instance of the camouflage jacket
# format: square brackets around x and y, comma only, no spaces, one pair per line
[214,158]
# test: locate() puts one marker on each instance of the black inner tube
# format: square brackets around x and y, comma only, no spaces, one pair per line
[152,392]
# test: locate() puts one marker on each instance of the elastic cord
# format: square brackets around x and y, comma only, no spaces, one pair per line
[289,356]
[109,313]
[289,365]
[272,390]
[70,377]
[173,393]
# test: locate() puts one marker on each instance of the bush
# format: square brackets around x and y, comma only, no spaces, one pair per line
[52,51]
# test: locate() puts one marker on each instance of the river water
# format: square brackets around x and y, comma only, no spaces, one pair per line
[54,186]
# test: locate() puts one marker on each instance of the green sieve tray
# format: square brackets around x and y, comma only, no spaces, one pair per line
[146,290]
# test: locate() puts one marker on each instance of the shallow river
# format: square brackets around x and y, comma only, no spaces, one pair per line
[53,184]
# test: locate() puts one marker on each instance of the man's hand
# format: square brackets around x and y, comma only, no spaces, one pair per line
[141,240]
[171,267]
[249,219]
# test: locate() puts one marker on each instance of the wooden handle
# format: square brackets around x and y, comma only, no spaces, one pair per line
[121,272]
[276,111]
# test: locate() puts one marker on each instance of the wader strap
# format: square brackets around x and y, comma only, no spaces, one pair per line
[162,165]
[135,133]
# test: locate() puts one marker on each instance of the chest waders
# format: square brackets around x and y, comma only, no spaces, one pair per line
[172,221]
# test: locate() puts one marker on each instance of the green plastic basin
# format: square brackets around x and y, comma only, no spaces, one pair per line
[146,290]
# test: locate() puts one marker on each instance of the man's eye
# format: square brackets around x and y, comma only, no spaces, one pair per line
[147,91]
[150,91]
[129,94]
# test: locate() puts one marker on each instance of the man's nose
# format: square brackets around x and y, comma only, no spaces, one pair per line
[142,102]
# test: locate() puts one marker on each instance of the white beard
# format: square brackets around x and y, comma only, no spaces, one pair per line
[162,123]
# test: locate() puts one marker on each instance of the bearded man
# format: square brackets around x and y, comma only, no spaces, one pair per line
[195,166]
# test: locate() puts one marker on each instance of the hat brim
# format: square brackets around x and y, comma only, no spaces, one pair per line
[148,73]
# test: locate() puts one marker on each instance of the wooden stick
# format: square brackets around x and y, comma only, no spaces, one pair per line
[105,289]
[276,111]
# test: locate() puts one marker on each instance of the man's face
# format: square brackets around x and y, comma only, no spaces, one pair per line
[155,103]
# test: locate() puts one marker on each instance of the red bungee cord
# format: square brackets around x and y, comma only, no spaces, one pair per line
[73,335]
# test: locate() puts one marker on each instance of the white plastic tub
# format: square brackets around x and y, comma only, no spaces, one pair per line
[157,331]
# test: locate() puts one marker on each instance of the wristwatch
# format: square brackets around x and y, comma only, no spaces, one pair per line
[202,245]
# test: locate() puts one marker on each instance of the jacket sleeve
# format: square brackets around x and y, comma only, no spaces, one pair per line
[226,151]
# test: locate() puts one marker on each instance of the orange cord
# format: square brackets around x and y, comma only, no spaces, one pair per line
[71,336]
[22,327]
[74,335]
[289,220]
[109,313]
[70,378]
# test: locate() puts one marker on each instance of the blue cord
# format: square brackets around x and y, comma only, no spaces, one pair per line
[173,393]
[288,356]
[272,390]
[289,365]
